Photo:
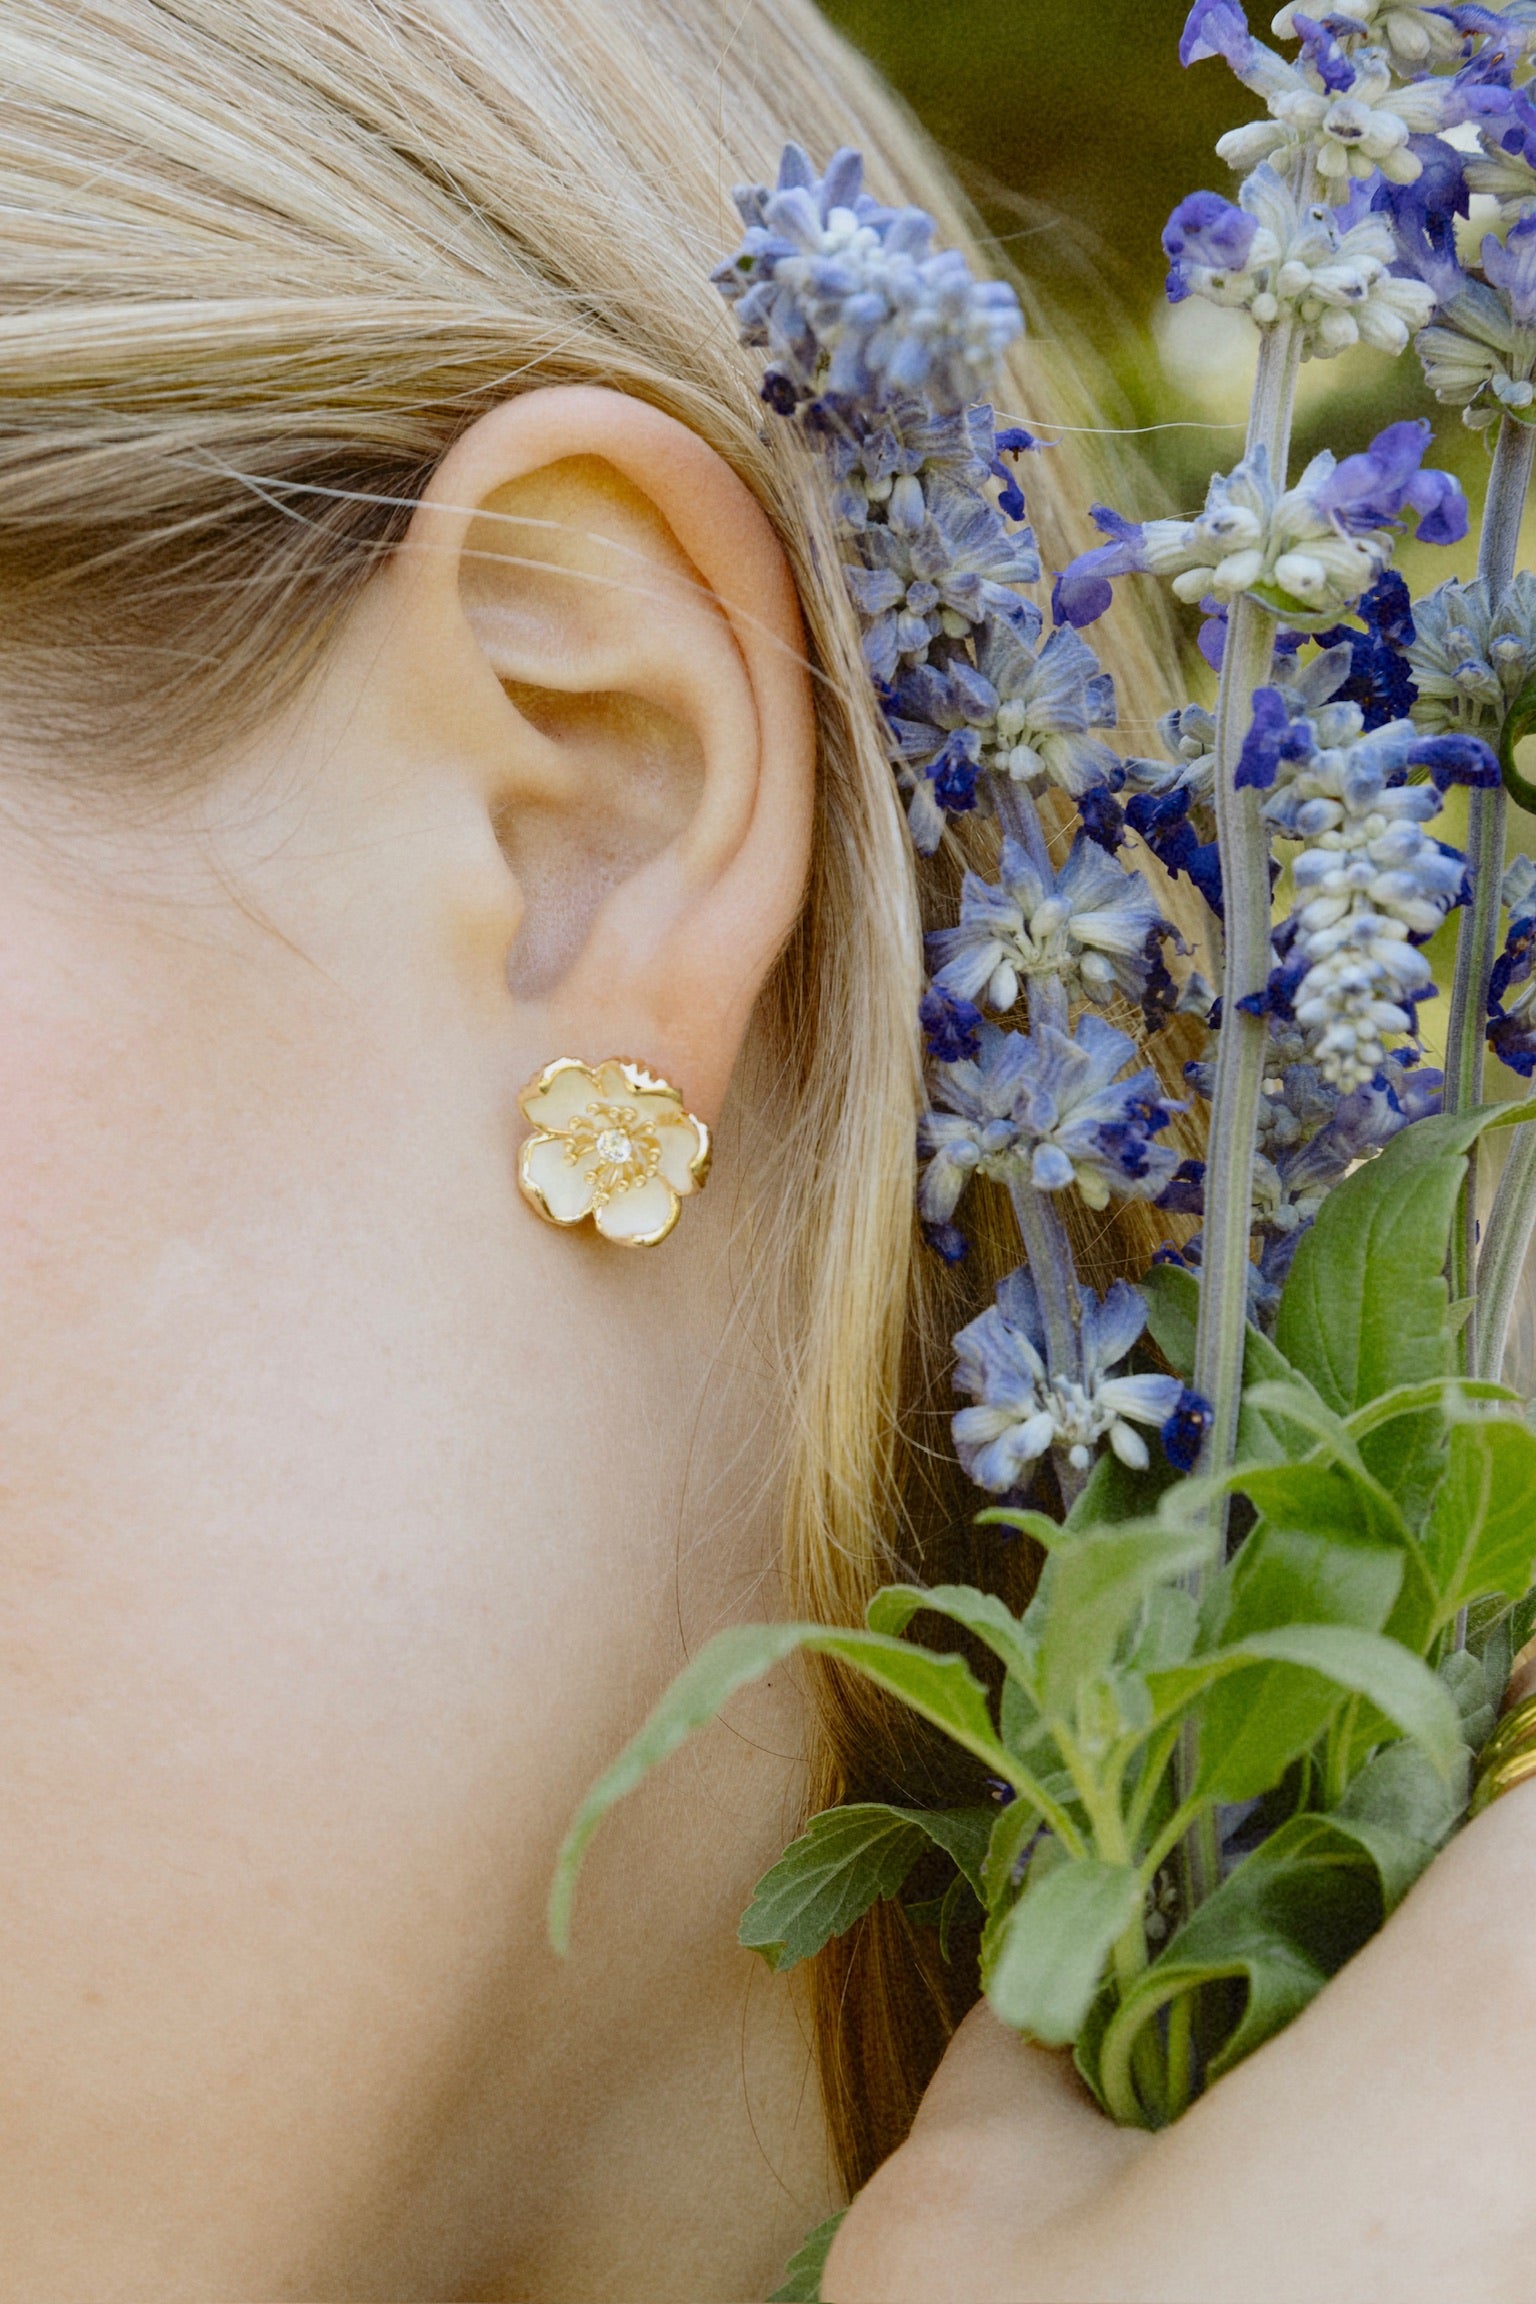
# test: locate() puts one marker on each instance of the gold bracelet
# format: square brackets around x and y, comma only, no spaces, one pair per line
[1508,1758]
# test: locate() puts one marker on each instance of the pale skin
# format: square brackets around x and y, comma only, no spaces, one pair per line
[351,1518]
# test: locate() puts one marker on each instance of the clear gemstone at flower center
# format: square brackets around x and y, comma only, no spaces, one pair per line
[614,1148]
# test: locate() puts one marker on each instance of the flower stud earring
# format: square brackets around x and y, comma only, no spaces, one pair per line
[613,1142]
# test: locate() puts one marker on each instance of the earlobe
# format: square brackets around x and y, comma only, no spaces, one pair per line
[626,656]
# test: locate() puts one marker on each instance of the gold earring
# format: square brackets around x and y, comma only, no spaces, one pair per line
[614,1142]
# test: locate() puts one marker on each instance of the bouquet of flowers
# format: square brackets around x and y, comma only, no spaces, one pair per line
[1242,1710]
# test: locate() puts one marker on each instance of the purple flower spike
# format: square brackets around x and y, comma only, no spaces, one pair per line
[1207,231]
[1216,28]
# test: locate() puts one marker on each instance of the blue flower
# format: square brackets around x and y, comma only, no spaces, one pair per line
[1021,1412]
[1051,702]
[868,456]
[1345,109]
[1369,491]
[973,1126]
[951,1026]
[1321,49]
[1045,1109]
[1304,554]
[850,298]
[1370,886]
[1272,737]
[1082,592]
[1415,33]
[1206,238]
[1511,266]
[1089,1128]
[1329,269]
[1380,678]
[1184,1430]
[1217,28]
[939,565]
[1512,987]
[1103,819]
[1163,821]
[1085,927]
[1456,760]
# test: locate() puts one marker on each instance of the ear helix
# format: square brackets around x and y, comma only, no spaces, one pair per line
[612,1141]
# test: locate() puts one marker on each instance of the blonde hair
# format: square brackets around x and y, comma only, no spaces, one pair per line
[262,263]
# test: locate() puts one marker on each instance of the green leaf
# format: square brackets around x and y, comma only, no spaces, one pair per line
[1266,1434]
[1296,1571]
[1173,1315]
[1170,1621]
[1058,1937]
[1481,1535]
[959,1907]
[1254,1722]
[1045,1531]
[1366,1308]
[1399,1684]
[1401,1810]
[941,1689]
[846,1860]
[894,1606]
[1336,1501]
[1173,1312]
[1282,1923]
[730,1661]
[802,2274]
[1452,1397]
[1093,1587]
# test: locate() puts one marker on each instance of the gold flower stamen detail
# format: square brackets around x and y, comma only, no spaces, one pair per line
[613,1142]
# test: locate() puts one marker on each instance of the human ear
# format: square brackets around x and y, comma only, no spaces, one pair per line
[611,630]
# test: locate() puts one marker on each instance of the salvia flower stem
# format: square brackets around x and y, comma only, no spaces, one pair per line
[1508,485]
[1241,1046]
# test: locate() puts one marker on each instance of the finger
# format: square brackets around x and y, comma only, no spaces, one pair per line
[990,2073]
[1007,2140]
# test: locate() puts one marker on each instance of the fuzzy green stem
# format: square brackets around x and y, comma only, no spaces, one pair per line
[1241,1045]
[1245,883]
[1508,485]
[1502,1262]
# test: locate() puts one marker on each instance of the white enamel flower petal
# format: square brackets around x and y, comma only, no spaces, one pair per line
[562,1184]
[613,1086]
[680,1147]
[568,1093]
[643,1215]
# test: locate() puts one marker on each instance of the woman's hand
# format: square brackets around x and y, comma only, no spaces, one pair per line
[1379,2151]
